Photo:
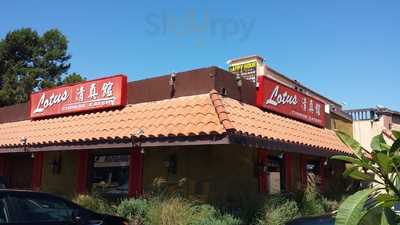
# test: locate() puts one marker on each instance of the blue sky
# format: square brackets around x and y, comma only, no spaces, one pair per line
[346,50]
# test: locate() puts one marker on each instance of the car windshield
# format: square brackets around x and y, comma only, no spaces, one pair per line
[42,209]
[3,212]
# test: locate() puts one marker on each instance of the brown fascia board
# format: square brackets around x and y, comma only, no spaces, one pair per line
[226,85]
[14,113]
[193,82]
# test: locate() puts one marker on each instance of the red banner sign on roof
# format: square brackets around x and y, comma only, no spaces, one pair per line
[98,94]
[287,101]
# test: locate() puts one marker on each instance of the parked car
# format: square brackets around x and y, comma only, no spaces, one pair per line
[320,220]
[27,207]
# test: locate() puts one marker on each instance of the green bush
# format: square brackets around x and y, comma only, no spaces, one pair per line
[95,204]
[172,210]
[278,210]
[169,211]
[330,205]
[133,209]
[312,203]
[208,215]
[243,205]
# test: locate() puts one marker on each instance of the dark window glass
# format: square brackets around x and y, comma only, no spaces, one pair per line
[41,209]
[110,175]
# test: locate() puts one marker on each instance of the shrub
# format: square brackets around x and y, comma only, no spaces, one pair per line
[95,203]
[133,209]
[243,205]
[312,203]
[278,210]
[330,205]
[169,211]
[208,215]
[172,210]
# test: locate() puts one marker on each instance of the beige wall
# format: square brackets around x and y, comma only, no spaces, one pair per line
[64,182]
[365,130]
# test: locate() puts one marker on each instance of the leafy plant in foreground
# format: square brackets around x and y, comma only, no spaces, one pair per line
[381,168]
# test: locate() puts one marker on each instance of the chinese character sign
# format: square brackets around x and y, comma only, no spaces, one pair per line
[281,99]
[91,95]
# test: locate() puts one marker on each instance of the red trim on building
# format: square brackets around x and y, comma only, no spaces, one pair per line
[262,171]
[288,171]
[303,171]
[259,97]
[135,188]
[2,166]
[83,162]
[37,168]
[322,174]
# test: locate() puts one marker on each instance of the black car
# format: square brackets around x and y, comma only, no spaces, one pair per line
[26,207]
[317,220]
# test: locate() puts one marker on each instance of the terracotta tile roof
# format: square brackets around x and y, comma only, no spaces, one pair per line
[205,114]
[185,116]
[250,120]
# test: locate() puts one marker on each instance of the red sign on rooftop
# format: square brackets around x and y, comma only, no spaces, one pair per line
[97,94]
[287,101]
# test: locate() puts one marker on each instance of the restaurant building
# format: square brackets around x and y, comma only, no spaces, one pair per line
[207,133]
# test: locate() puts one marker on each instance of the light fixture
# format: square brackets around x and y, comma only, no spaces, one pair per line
[172,79]
[238,80]
[23,140]
[139,132]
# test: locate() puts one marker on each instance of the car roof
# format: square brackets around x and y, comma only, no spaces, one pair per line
[17,190]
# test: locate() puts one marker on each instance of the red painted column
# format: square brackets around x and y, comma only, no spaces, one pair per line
[303,171]
[82,173]
[262,156]
[288,171]
[37,167]
[322,174]
[2,165]
[135,188]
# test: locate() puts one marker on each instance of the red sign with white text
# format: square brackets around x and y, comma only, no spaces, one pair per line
[279,98]
[103,93]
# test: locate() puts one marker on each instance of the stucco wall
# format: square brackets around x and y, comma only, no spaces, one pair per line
[365,130]
[61,183]
[206,172]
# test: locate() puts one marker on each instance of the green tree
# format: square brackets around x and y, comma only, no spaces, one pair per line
[380,167]
[73,78]
[30,62]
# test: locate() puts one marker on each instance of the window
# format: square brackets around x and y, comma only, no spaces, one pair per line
[275,174]
[41,209]
[110,175]
[313,172]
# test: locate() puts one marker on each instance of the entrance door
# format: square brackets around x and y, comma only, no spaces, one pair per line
[18,171]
